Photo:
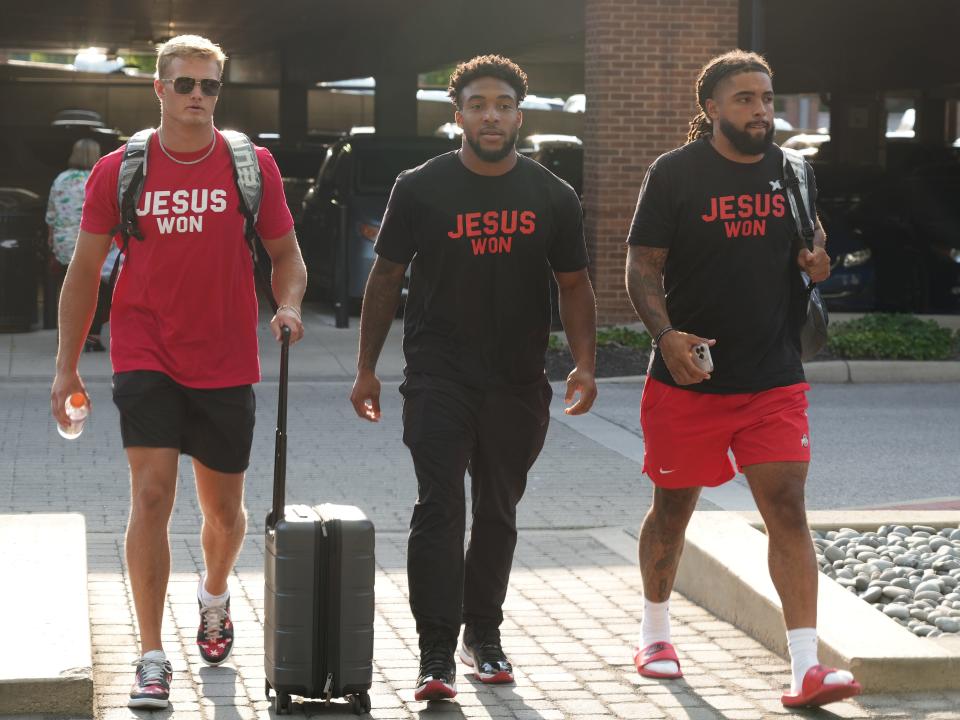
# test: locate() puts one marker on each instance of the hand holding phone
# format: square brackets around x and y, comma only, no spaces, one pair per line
[702,358]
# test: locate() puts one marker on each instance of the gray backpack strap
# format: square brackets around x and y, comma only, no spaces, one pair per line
[133,170]
[246,170]
[795,173]
[249,180]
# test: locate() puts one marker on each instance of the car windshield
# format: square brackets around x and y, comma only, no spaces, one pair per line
[377,169]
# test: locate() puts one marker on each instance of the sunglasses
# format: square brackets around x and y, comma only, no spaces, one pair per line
[185,85]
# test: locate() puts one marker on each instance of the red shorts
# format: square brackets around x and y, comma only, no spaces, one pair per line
[687,434]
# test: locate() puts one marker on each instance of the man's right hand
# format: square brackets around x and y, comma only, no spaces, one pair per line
[676,348]
[365,395]
[64,385]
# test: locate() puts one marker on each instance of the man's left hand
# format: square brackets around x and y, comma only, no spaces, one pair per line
[290,317]
[584,383]
[816,264]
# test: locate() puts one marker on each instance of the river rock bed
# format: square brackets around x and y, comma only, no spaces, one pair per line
[911,574]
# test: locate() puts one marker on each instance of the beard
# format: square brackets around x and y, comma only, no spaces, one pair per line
[744,141]
[491,156]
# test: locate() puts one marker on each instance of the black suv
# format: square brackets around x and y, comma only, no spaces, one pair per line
[349,196]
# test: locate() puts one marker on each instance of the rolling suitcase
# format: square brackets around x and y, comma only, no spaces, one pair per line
[318,591]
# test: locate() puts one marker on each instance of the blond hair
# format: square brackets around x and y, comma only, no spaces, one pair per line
[85,154]
[188,46]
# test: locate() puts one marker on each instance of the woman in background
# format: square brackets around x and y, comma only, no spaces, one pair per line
[63,221]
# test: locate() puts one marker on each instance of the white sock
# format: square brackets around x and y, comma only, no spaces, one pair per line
[655,627]
[155,655]
[208,600]
[802,643]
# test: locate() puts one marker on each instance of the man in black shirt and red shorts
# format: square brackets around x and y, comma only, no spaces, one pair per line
[713,268]
[482,228]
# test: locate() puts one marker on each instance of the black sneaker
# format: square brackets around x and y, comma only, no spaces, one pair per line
[438,670]
[215,635]
[481,650]
[151,685]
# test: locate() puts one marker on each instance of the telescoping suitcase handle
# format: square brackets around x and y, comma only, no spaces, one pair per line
[280,448]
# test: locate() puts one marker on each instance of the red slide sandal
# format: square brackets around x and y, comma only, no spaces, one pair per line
[655,652]
[814,693]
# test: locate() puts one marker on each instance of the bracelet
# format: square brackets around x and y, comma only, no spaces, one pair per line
[291,308]
[664,331]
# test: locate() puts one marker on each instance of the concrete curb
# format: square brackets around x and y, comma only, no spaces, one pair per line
[48,665]
[724,569]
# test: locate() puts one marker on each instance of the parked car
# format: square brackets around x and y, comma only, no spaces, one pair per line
[907,217]
[33,155]
[351,191]
[851,286]
[298,162]
[564,158]
[922,236]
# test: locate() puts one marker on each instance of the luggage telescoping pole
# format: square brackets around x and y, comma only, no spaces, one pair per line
[280,448]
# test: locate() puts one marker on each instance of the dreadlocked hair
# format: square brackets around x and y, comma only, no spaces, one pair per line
[495,66]
[720,67]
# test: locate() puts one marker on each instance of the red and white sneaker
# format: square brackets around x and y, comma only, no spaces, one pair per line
[482,651]
[151,684]
[438,671]
[215,636]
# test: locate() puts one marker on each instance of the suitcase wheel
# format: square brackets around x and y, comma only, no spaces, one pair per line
[282,703]
[360,703]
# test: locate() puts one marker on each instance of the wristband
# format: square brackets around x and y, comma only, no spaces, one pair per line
[292,309]
[664,331]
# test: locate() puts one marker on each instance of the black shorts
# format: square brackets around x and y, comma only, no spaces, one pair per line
[214,426]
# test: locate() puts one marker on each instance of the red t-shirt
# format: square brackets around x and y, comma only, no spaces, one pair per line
[185,303]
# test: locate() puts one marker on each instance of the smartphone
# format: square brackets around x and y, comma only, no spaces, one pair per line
[702,358]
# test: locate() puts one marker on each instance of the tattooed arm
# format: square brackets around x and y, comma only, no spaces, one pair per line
[380,300]
[645,287]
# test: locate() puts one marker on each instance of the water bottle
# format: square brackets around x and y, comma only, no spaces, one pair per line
[77,410]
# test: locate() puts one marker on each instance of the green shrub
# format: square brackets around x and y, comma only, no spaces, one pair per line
[884,336]
[609,336]
[624,337]
[555,343]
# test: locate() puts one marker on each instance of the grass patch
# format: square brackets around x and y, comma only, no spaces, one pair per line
[886,336]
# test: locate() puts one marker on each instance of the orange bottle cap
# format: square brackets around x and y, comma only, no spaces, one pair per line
[78,399]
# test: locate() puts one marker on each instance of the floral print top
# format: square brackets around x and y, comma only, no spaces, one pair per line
[63,215]
[63,212]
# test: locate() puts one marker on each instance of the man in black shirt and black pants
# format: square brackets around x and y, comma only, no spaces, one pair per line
[714,264]
[483,228]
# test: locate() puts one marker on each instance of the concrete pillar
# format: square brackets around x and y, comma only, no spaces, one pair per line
[932,121]
[641,62]
[857,129]
[293,112]
[395,104]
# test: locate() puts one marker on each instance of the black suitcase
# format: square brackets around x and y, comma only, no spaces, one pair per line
[318,592]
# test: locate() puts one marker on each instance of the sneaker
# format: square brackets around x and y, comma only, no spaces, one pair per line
[151,686]
[215,636]
[481,650]
[438,670]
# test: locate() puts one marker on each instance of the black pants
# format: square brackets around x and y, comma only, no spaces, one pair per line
[497,435]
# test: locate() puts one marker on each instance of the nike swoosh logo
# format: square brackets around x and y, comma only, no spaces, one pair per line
[666,472]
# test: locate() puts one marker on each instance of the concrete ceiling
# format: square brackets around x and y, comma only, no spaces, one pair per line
[861,45]
[313,40]
[857,45]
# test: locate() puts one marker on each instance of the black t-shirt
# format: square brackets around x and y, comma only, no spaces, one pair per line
[482,247]
[731,271]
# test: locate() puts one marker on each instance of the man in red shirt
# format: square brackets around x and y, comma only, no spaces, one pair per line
[183,341]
